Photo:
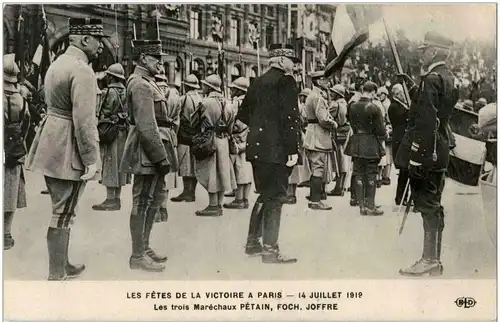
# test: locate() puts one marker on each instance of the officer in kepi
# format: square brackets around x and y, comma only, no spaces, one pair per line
[425,147]
[66,148]
[148,154]
[270,109]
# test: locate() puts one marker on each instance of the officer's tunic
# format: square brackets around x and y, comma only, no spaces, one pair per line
[14,193]
[68,140]
[113,103]
[187,162]
[317,141]
[398,116]
[436,98]
[242,168]
[216,173]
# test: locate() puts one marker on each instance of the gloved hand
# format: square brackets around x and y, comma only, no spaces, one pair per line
[163,167]
[417,171]
[407,79]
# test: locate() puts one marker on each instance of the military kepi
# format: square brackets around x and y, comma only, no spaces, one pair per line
[148,47]
[285,50]
[434,39]
[86,26]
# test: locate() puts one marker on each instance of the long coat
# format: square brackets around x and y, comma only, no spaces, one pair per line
[435,99]
[113,106]
[172,113]
[68,139]
[367,123]
[270,109]
[216,173]
[242,168]
[398,115]
[146,145]
[338,109]
[187,163]
[319,123]
[14,193]
[301,171]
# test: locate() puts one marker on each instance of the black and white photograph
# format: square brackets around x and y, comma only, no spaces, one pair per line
[199,142]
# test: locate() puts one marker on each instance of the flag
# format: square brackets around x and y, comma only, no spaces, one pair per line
[350,29]
[467,158]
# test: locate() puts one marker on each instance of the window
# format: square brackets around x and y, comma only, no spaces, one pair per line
[195,24]
[270,11]
[256,8]
[235,72]
[235,32]
[269,35]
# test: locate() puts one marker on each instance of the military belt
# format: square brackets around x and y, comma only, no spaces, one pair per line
[59,112]
[313,121]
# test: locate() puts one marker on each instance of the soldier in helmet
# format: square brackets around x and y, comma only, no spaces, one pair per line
[425,148]
[148,154]
[187,162]
[242,168]
[16,122]
[365,147]
[172,112]
[66,148]
[113,109]
[214,172]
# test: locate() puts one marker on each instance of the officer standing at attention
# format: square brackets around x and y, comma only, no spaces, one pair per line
[365,147]
[66,148]
[146,156]
[270,109]
[425,147]
[317,140]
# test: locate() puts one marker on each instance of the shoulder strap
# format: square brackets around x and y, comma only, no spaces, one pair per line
[9,112]
[119,101]
[102,102]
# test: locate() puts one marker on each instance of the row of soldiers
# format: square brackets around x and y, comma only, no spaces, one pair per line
[146,129]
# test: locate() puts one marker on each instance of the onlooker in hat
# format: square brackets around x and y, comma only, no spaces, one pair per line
[480,104]
[338,110]
[270,109]
[215,173]
[238,143]
[171,114]
[66,148]
[113,109]
[468,105]
[16,118]
[365,148]
[187,162]
[398,116]
[149,154]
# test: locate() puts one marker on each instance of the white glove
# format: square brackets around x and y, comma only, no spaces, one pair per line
[90,172]
[292,160]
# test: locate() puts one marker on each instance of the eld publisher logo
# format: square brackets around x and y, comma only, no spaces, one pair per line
[465,302]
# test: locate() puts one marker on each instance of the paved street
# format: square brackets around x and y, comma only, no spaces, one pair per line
[339,244]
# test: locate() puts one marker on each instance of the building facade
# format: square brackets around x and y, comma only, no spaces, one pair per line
[193,34]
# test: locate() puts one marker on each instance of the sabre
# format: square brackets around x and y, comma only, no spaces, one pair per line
[407,209]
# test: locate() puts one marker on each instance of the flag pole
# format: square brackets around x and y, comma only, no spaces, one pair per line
[289,23]
[258,57]
[398,62]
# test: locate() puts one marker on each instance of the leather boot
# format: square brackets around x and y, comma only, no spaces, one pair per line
[236,204]
[8,241]
[428,264]
[186,194]
[57,245]
[72,271]
[359,189]
[139,260]
[338,191]
[253,246]
[272,255]
[231,194]
[162,215]
[148,226]
[370,190]
[108,205]
[210,211]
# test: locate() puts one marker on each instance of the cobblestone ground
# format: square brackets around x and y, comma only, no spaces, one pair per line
[337,244]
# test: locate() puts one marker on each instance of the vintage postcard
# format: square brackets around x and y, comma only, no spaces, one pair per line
[250,161]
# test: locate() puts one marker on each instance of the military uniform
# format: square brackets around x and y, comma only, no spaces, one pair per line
[16,123]
[270,109]
[113,108]
[67,142]
[318,144]
[149,155]
[425,152]
[187,162]
[365,147]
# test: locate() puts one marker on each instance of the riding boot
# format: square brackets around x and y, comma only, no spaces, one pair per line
[338,191]
[57,244]
[148,226]
[272,219]
[186,183]
[253,246]
[139,260]
[354,200]
[359,190]
[72,270]
[370,189]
